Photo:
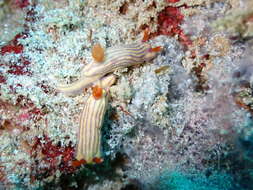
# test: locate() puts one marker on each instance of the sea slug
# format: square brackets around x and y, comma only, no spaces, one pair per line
[114,58]
[91,119]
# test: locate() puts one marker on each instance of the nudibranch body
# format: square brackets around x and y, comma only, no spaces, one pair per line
[104,63]
[114,59]
[91,119]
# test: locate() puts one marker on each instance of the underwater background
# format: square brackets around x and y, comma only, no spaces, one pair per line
[180,119]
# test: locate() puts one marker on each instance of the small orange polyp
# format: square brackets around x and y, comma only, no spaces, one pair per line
[77,163]
[97,92]
[146,35]
[97,160]
[156,49]
[98,53]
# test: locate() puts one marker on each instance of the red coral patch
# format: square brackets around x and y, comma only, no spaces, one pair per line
[11,49]
[19,69]
[169,21]
[2,79]
[173,1]
[21,3]
[13,46]
[53,156]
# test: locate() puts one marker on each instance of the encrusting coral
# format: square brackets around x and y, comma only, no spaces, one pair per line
[238,21]
[159,115]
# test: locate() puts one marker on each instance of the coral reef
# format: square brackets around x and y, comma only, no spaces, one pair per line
[130,12]
[238,21]
[190,109]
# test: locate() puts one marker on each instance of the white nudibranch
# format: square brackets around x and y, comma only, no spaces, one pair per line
[115,58]
[91,120]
